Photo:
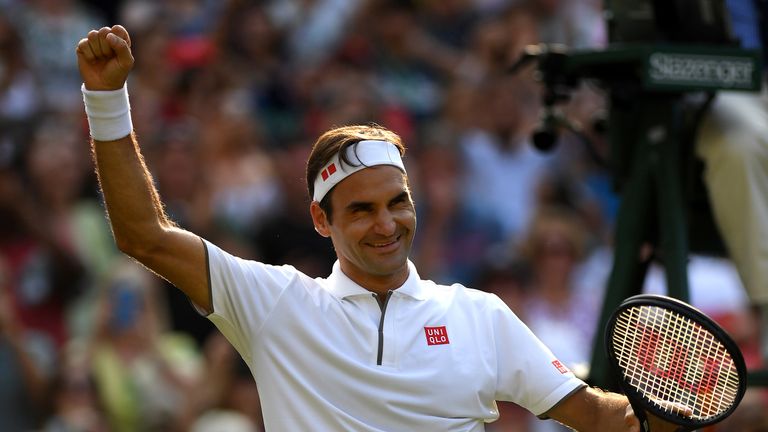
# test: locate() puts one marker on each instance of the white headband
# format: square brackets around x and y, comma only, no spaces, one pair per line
[361,155]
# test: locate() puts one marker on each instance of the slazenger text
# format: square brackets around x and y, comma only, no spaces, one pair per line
[701,70]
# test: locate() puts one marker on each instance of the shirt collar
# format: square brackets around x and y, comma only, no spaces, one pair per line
[341,286]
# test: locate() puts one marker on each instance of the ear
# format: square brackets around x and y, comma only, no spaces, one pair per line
[319,219]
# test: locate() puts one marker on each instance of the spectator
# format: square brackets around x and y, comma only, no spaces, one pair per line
[27,361]
[74,399]
[20,98]
[44,275]
[503,169]
[555,308]
[554,247]
[144,375]
[52,27]
[60,194]
[455,243]
[313,29]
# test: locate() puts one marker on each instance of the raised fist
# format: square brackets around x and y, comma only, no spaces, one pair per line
[104,58]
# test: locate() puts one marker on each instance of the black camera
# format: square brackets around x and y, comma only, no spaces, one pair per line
[669,21]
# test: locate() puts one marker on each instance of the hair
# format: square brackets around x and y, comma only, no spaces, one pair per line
[555,220]
[337,140]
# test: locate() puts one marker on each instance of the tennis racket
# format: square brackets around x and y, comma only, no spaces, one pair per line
[674,362]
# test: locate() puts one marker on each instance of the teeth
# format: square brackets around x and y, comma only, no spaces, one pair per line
[385,244]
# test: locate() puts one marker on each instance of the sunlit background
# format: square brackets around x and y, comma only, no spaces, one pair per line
[227,97]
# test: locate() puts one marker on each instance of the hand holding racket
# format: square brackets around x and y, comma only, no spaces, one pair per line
[674,363]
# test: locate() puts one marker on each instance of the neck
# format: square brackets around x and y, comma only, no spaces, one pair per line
[378,284]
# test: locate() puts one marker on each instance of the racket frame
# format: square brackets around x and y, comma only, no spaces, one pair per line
[636,398]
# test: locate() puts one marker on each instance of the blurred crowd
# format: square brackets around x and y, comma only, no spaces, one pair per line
[227,98]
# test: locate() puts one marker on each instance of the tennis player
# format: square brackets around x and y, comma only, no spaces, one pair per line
[372,347]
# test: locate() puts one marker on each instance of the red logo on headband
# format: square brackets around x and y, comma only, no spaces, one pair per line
[328,171]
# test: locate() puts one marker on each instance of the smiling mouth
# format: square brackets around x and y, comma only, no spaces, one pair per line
[380,245]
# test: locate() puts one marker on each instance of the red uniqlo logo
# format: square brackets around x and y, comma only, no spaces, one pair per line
[328,171]
[560,367]
[436,335]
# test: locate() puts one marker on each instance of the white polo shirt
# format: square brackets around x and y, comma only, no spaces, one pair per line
[327,357]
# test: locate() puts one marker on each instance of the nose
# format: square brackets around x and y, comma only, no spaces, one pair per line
[385,223]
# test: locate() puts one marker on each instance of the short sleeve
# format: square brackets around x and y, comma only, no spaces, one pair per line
[529,374]
[243,294]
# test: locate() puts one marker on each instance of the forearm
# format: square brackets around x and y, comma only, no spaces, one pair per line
[608,412]
[134,208]
[139,223]
[593,410]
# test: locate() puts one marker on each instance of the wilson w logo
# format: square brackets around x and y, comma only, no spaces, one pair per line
[686,364]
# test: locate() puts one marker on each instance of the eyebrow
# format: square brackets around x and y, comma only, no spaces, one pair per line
[359,206]
[402,196]
[365,205]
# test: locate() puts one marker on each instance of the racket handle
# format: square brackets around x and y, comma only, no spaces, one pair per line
[651,423]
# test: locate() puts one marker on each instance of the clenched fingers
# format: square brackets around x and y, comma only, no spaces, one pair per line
[105,58]
[107,43]
[93,44]
[121,49]
[98,46]
[104,46]
[631,420]
[84,49]
[122,33]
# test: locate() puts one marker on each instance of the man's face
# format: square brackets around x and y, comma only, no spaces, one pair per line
[373,225]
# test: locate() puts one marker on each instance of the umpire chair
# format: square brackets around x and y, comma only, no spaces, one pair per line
[660,71]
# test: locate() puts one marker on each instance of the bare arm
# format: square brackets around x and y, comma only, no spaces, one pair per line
[593,410]
[136,214]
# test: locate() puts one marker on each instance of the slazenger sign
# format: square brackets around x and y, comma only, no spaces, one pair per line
[700,70]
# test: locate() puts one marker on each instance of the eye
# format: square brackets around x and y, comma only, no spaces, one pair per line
[400,200]
[356,209]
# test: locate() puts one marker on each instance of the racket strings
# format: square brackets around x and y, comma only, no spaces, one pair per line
[666,356]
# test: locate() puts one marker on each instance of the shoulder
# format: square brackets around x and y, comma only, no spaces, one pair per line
[246,277]
[218,257]
[464,297]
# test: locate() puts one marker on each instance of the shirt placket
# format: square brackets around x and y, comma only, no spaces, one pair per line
[388,326]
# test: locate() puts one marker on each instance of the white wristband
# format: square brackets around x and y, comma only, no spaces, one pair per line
[109,113]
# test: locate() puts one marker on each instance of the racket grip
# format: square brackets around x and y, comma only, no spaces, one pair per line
[657,425]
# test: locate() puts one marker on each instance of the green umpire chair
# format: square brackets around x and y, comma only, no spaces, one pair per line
[657,95]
